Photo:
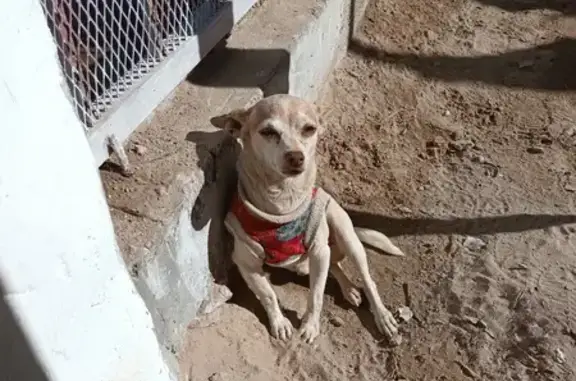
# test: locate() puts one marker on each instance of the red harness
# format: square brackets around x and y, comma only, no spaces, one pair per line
[280,241]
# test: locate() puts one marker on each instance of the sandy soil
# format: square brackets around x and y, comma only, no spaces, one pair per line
[452,128]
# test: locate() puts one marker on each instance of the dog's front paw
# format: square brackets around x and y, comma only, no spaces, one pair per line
[281,328]
[387,325]
[310,330]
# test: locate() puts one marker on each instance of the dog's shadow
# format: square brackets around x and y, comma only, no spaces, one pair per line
[280,277]
[245,298]
[217,154]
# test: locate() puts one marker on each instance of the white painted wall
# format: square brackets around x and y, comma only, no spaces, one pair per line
[59,261]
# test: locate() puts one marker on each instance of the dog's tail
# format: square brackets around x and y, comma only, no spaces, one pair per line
[378,240]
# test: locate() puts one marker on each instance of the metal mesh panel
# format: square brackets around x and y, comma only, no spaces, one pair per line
[106,47]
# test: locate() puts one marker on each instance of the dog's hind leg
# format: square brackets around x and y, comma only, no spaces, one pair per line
[349,243]
[350,292]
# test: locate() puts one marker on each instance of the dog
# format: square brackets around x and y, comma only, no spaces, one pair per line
[280,218]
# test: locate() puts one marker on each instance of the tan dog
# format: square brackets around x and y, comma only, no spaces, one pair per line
[278,210]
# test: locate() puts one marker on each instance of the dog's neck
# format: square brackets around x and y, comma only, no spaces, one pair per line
[271,192]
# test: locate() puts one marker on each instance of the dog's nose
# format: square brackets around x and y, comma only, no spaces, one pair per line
[294,158]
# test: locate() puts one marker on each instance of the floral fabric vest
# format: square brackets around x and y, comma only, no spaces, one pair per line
[280,241]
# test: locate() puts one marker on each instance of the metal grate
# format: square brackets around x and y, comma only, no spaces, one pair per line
[106,47]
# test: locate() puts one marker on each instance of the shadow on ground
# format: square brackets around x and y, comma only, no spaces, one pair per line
[217,155]
[393,227]
[17,360]
[567,7]
[257,68]
[243,297]
[544,67]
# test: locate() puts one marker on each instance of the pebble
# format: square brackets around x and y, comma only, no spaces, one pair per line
[405,314]
[457,135]
[558,129]
[396,340]
[140,149]
[474,244]
[559,356]
[405,209]
[430,35]
[460,145]
[535,150]
[479,159]
[467,371]
[336,321]
[161,191]
[525,64]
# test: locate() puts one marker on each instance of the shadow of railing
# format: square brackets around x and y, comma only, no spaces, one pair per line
[567,7]
[544,67]
[393,226]
[18,362]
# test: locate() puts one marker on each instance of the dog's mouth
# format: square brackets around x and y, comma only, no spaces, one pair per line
[293,171]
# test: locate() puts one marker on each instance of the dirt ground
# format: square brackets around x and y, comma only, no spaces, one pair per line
[451,126]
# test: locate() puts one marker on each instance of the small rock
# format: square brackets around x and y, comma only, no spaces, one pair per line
[570,187]
[430,35]
[474,244]
[435,143]
[559,356]
[447,113]
[457,135]
[478,323]
[405,209]
[481,324]
[558,129]
[336,321]
[535,150]
[526,64]
[405,314]
[467,371]
[161,191]
[396,340]
[140,149]
[460,145]
[479,159]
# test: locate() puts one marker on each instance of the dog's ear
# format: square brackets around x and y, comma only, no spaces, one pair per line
[232,121]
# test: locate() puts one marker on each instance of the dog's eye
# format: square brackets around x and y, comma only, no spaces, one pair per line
[309,130]
[269,132]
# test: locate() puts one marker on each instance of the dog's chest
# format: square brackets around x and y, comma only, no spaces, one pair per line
[281,242]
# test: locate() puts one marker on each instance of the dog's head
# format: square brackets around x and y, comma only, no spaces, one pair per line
[280,132]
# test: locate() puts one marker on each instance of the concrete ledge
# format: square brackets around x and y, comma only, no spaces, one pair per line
[168,215]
